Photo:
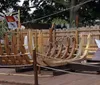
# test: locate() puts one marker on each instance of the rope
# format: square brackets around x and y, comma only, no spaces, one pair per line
[55,69]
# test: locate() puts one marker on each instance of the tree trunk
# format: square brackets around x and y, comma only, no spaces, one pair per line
[72,19]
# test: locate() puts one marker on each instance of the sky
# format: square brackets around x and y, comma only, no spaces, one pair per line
[21,2]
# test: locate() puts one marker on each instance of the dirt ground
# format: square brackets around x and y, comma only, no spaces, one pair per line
[6,78]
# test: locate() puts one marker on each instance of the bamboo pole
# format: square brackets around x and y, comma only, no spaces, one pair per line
[18,29]
[30,41]
[19,19]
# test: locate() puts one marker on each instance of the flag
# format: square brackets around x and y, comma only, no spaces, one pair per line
[16,19]
[15,16]
[12,23]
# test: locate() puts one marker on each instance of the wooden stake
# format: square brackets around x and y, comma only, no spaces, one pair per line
[35,67]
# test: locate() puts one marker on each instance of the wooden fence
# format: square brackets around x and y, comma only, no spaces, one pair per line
[40,38]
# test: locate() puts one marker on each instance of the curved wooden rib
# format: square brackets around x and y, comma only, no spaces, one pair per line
[58,48]
[66,49]
[73,48]
[41,57]
[65,52]
[59,62]
[83,56]
[55,51]
[79,49]
[58,51]
[79,57]
[51,49]
[56,61]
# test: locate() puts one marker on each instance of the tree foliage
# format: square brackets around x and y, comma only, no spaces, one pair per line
[6,4]
[87,13]
[3,28]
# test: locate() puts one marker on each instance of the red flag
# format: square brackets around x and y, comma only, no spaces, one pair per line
[12,23]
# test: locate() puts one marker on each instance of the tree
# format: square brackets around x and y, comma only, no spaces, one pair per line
[3,28]
[86,14]
[89,13]
[5,5]
[49,7]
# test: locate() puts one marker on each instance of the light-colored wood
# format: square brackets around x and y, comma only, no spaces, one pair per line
[40,42]
[95,34]
[79,56]
[30,46]
[85,52]
[9,60]
[77,37]
[17,58]
[58,61]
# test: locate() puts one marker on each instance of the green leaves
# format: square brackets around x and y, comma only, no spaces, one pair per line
[59,21]
[3,28]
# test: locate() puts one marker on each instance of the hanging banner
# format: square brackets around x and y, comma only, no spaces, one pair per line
[12,23]
[15,17]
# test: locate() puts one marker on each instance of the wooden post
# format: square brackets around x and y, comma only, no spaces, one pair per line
[35,67]
[40,41]
[54,36]
[30,41]
[76,36]
[50,35]
[36,40]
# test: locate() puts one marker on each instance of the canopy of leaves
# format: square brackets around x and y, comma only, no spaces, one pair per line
[6,4]
[3,28]
[88,13]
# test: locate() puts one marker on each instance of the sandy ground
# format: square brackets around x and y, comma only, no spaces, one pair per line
[6,78]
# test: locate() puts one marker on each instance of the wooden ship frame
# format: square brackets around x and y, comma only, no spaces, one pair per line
[62,52]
